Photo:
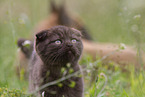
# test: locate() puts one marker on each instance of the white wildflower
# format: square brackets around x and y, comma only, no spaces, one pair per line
[122,46]
[23,18]
[137,16]
[43,93]
[26,43]
[88,71]
[90,64]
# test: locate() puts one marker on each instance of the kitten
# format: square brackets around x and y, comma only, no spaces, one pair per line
[54,49]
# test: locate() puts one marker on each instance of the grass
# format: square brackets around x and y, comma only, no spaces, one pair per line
[120,21]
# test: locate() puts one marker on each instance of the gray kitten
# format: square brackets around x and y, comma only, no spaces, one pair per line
[54,49]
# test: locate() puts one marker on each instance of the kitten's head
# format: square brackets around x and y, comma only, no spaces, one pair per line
[59,45]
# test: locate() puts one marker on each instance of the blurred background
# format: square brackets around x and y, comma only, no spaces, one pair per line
[113,21]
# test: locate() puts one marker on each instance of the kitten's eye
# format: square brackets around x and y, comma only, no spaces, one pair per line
[58,42]
[73,40]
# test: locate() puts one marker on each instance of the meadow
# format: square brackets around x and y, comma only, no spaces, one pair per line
[113,21]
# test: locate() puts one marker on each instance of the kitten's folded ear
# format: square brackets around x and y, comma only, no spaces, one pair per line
[77,32]
[41,35]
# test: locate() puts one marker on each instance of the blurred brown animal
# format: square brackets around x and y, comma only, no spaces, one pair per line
[61,17]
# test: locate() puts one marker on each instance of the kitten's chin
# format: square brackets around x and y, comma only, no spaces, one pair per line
[71,56]
[69,53]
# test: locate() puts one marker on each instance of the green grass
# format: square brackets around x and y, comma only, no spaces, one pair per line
[116,21]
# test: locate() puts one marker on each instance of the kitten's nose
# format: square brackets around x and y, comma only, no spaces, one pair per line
[69,45]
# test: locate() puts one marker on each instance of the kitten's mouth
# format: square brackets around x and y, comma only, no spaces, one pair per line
[70,52]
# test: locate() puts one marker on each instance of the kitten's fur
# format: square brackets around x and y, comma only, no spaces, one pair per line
[50,57]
